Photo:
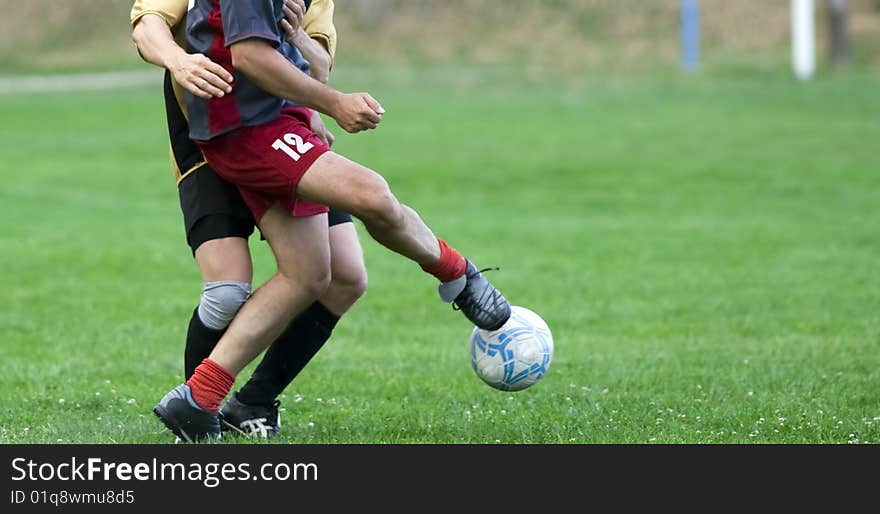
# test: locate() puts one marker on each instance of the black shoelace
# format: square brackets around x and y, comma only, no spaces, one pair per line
[469,301]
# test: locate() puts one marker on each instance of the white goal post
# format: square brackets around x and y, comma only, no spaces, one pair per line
[803,38]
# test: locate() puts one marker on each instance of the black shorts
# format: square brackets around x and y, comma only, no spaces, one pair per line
[212,208]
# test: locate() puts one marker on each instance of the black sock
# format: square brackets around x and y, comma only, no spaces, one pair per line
[288,355]
[200,342]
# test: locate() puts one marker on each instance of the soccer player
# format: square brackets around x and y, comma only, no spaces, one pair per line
[218,223]
[258,137]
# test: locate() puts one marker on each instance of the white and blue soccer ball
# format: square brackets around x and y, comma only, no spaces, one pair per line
[516,355]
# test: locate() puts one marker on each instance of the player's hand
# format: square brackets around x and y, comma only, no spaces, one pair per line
[320,130]
[201,76]
[294,10]
[356,112]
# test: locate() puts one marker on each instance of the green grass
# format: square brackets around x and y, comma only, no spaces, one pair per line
[705,252]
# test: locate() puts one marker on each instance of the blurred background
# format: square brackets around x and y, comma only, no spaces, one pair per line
[575,38]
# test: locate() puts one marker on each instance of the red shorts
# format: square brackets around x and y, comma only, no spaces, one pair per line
[266,162]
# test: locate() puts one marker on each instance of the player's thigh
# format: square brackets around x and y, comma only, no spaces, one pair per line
[346,256]
[218,224]
[225,259]
[300,244]
[342,183]
[212,207]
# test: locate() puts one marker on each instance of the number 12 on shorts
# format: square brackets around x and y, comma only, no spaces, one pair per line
[293,145]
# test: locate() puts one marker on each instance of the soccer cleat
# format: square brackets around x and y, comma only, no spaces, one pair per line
[477,299]
[257,421]
[183,416]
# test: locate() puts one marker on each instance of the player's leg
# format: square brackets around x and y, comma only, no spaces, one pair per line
[217,224]
[341,183]
[347,185]
[297,233]
[301,250]
[302,254]
[254,408]
[348,280]
[225,265]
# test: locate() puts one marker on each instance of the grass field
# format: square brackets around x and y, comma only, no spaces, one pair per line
[705,252]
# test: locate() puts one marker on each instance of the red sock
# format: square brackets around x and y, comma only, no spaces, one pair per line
[210,383]
[450,266]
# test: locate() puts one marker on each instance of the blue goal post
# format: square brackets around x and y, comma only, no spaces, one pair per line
[690,34]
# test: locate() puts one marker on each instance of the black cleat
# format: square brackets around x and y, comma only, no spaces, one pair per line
[183,416]
[257,421]
[477,299]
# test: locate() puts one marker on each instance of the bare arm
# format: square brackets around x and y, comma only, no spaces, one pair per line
[195,72]
[257,59]
[313,51]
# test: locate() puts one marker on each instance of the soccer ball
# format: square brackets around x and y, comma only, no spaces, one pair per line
[516,355]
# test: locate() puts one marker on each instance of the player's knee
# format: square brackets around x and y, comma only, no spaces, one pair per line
[381,208]
[315,285]
[355,286]
[221,301]
[320,281]
[347,287]
[312,280]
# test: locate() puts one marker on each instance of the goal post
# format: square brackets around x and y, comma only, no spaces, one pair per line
[690,34]
[803,38]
